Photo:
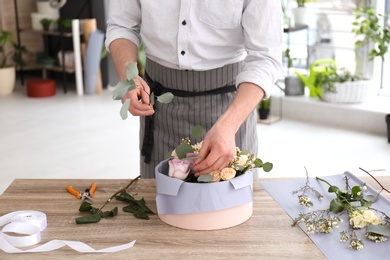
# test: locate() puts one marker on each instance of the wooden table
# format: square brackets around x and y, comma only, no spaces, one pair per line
[266,235]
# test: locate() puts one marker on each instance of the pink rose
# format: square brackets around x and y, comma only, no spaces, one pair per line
[179,168]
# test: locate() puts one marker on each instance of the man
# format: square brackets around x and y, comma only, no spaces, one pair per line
[218,57]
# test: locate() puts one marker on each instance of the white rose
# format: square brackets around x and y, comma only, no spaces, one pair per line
[242,160]
[228,173]
[371,218]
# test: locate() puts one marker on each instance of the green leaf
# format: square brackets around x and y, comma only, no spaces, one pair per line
[111,213]
[132,71]
[267,166]
[183,149]
[355,190]
[165,98]
[85,206]
[258,163]
[205,178]
[371,198]
[336,206]
[151,99]
[125,109]
[379,229]
[333,189]
[88,219]
[121,89]
[197,131]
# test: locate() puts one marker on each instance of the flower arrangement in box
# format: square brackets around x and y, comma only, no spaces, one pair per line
[217,200]
[184,155]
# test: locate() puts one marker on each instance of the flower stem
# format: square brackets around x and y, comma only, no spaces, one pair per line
[319,179]
[119,191]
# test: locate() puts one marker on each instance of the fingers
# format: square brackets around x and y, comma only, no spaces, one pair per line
[139,99]
[212,159]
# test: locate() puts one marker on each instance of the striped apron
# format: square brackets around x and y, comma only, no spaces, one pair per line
[174,121]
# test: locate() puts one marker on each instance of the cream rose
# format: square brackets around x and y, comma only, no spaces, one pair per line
[216,176]
[227,174]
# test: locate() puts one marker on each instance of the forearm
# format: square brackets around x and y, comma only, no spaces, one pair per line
[123,52]
[247,98]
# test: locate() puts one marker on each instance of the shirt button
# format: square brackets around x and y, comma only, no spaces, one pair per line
[182,53]
[184,22]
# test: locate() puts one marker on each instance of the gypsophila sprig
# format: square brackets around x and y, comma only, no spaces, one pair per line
[352,202]
[302,197]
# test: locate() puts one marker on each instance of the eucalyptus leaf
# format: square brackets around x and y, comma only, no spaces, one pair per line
[267,166]
[132,71]
[371,198]
[258,163]
[121,89]
[88,219]
[165,98]
[183,149]
[379,229]
[151,99]
[197,131]
[125,109]
[205,178]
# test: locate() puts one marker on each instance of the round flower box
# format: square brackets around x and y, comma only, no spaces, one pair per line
[203,206]
[347,92]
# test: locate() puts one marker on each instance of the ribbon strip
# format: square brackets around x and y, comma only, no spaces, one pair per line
[30,224]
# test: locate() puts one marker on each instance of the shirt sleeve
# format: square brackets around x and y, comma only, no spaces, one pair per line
[124,21]
[263,31]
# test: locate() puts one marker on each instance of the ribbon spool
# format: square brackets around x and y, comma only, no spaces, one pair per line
[28,223]
[27,226]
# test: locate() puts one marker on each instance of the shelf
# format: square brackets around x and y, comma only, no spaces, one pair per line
[271,119]
[58,69]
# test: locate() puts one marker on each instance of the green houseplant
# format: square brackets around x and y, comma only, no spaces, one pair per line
[369,27]
[341,86]
[372,37]
[9,50]
[264,108]
[46,22]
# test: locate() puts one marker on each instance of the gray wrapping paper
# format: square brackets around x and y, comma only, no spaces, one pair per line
[329,244]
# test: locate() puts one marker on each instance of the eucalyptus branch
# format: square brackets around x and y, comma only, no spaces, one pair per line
[119,191]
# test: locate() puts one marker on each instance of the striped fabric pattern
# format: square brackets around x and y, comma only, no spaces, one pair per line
[175,120]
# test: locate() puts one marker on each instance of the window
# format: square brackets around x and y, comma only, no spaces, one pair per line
[331,37]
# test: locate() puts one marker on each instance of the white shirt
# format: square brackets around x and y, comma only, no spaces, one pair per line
[204,34]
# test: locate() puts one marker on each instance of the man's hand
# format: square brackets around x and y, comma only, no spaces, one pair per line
[218,149]
[139,99]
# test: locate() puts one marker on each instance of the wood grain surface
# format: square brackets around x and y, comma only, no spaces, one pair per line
[266,235]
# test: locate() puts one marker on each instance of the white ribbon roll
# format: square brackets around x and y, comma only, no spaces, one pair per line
[27,227]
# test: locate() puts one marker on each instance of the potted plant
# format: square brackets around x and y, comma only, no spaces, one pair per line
[341,86]
[301,12]
[46,22]
[372,35]
[66,25]
[9,49]
[264,108]
[293,85]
